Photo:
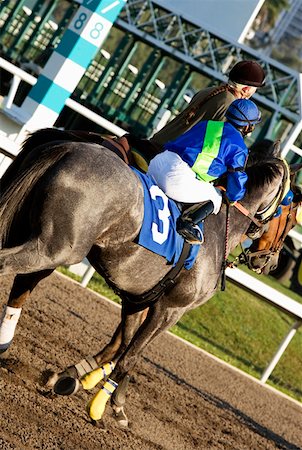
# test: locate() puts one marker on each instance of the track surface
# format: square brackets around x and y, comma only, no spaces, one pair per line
[179,398]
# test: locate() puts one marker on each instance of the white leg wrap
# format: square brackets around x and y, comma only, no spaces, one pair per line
[86,366]
[8,325]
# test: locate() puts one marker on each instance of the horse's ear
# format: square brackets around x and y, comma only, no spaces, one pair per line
[294,168]
[277,148]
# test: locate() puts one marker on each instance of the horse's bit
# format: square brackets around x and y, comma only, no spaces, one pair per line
[246,256]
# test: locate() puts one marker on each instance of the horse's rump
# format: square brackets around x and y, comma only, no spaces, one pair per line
[84,166]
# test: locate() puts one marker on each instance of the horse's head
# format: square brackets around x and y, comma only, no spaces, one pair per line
[263,254]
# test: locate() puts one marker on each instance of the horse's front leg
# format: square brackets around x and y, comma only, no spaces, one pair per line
[23,286]
[122,336]
[93,369]
[158,320]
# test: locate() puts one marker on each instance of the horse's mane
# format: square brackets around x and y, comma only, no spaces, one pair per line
[264,163]
[263,172]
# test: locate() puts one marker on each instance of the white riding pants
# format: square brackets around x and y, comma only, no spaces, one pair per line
[178,181]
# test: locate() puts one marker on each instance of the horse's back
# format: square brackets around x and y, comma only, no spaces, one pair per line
[94,179]
[73,188]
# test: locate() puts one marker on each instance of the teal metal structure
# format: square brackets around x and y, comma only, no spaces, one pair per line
[152,62]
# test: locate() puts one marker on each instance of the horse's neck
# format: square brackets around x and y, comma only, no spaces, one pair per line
[220,233]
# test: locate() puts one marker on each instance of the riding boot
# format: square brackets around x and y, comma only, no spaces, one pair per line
[188,223]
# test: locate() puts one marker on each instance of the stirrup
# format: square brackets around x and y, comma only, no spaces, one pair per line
[191,232]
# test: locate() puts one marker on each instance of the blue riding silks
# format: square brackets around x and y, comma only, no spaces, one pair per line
[212,149]
[158,232]
[288,198]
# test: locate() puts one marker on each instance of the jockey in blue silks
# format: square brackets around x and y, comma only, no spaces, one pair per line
[188,165]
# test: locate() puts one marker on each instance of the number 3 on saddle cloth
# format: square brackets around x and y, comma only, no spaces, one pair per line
[158,232]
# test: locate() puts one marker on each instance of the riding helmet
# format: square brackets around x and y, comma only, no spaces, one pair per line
[249,73]
[243,112]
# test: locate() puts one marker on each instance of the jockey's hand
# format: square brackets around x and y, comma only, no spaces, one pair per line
[227,200]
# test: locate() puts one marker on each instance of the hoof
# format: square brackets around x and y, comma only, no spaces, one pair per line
[4,352]
[49,379]
[66,385]
[99,424]
[121,418]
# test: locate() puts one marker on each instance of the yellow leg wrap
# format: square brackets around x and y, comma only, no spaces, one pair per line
[97,404]
[91,379]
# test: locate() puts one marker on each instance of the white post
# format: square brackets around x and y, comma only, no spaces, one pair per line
[12,92]
[87,276]
[280,351]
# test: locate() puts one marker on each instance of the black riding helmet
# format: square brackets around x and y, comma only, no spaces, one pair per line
[249,73]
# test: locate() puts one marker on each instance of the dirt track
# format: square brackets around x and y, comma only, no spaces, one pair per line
[179,399]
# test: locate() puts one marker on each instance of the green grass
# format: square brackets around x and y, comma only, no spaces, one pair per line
[97,284]
[240,329]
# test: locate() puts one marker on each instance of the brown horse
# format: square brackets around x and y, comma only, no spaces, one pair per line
[264,253]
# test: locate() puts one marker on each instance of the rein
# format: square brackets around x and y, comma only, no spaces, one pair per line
[225,256]
[225,262]
[246,256]
[260,219]
[246,213]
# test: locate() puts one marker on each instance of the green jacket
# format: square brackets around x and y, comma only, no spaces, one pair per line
[212,109]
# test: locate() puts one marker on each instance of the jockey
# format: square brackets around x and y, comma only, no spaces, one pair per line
[211,103]
[189,164]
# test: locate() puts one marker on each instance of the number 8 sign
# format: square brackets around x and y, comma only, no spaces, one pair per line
[94,19]
[90,26]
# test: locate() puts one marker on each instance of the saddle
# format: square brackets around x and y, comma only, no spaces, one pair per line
[132,150]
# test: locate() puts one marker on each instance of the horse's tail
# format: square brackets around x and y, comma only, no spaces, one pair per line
[23,177]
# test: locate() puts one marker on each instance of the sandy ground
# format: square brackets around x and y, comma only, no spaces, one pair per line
[179,398]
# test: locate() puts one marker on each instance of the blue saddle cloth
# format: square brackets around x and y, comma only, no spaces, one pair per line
[158,232]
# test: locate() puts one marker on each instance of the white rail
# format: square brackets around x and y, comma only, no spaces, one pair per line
[249,283]
[275,298]
[20,74]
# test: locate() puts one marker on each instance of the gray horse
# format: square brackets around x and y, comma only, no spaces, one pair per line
[62,201]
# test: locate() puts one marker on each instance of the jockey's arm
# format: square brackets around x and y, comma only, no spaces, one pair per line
[237,176]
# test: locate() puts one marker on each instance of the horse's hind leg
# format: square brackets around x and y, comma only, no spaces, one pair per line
[27,258]
[22,287]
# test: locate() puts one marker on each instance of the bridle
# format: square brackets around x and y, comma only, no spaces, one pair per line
[258,221]
[266,255]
